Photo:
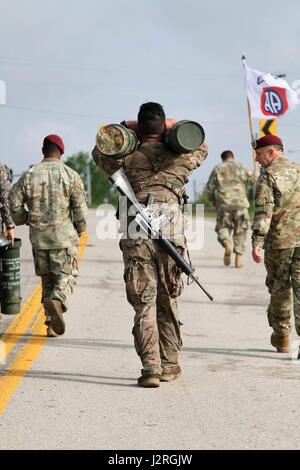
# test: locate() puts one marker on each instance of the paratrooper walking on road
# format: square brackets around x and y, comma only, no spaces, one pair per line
[276,229]
[50,198]
[227,190]
[153,280]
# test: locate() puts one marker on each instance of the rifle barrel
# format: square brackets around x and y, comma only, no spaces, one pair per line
[181,262]
[201,287]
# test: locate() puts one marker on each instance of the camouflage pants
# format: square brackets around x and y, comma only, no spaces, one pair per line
[58,269]
[153,282]
[283,279]
[235,223]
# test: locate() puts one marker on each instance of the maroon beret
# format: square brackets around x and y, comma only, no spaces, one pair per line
[267,140]
[55,139]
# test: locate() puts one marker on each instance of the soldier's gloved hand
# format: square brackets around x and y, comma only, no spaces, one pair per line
[256,254]
[10,233]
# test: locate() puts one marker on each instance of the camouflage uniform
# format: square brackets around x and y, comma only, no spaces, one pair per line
[153,281]
[276,228]
[56,214]
[5,184]
[226,189]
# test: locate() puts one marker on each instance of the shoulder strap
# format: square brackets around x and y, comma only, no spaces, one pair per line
[156,161]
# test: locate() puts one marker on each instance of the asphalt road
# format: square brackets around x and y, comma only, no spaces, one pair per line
[80,391]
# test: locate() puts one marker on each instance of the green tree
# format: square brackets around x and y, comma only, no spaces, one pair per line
[209,210]
[102,191]
[203,199]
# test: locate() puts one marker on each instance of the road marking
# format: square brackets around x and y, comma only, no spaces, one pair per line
[22,362]
[20,324]
[82,244]
[24,359]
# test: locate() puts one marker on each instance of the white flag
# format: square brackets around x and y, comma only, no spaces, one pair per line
[269,97]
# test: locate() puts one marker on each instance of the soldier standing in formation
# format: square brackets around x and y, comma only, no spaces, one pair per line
[50,198]
[153,281]
[226,189]
[276,229]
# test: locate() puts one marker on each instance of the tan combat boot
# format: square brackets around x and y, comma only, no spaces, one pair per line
[50,332]
[55,309]
[172,375]
[227,254]
[238,261]
[281,343]
[149,381]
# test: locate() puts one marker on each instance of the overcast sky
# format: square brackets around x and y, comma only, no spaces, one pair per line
[72,65]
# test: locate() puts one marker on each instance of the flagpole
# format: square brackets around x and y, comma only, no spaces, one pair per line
[250,120]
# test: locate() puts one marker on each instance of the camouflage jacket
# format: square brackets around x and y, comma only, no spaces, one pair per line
[226,187]
[5,184]
[276,221]
[157,170]
[50,198]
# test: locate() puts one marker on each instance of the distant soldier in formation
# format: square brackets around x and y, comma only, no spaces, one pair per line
[276,229]
[153,280]
[227,190]
[50,198]
[6,222]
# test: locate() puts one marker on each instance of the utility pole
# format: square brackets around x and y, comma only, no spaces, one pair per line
[195,190]
[89,183]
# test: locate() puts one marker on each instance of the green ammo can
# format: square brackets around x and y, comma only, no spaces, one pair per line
[10,277]
[185,136]
[116,140]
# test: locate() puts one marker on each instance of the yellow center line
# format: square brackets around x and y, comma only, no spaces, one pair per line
[24,359]
[22,362]
[82,244]
[20,325]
